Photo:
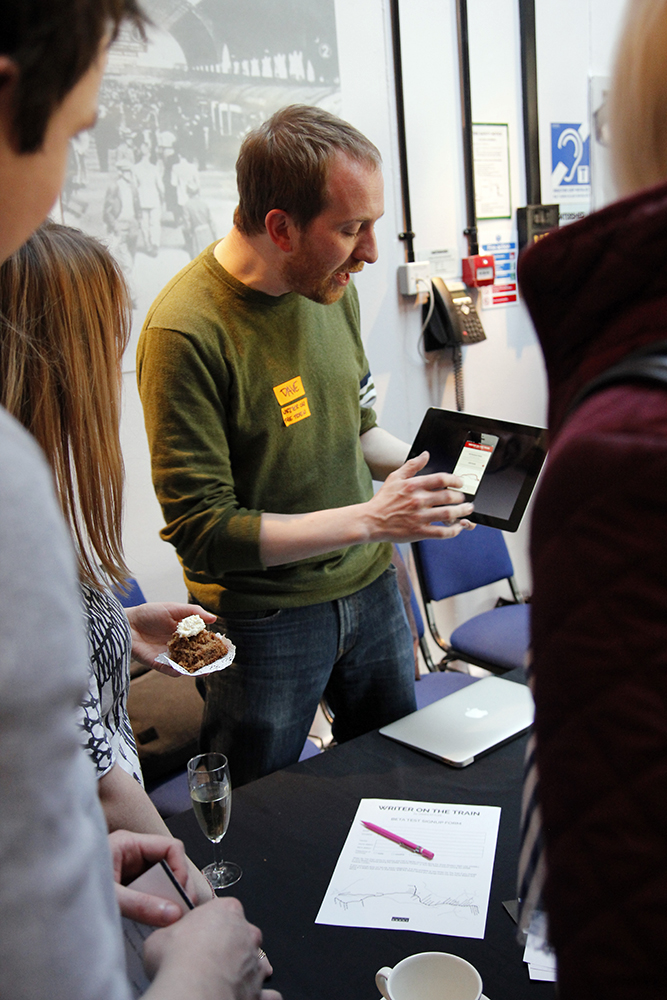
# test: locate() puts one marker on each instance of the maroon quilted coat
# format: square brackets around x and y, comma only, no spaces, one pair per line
[597,290]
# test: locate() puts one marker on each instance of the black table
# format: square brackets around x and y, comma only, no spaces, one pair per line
[288,829]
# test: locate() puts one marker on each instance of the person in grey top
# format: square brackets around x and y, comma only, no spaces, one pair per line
[59,925]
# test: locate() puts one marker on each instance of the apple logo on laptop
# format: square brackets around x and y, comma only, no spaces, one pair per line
[476,713]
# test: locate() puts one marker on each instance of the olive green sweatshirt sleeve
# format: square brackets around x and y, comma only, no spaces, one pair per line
[182,392]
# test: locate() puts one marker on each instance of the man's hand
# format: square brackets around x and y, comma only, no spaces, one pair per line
[132,854]
[152,627]
[406,505]
[403,510]
[211,954]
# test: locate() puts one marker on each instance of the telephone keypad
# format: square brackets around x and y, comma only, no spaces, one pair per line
[470,321]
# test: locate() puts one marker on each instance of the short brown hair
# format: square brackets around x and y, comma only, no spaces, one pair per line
[54,43]
[285,164]
[64,324]
[638,98]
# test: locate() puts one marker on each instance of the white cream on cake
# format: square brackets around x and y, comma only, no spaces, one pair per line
[192,625]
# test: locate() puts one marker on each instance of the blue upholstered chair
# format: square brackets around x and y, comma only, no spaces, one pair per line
[497,639]
[433,685]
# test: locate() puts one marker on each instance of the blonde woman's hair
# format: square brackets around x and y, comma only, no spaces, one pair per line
[638,98]
[64,324]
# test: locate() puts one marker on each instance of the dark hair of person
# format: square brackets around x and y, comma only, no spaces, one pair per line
[54,43]
[284,164]
[64,324]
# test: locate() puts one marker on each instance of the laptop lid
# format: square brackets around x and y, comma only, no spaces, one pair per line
[470,722]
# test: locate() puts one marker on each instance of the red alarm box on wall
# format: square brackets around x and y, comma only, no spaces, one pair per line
[478,270]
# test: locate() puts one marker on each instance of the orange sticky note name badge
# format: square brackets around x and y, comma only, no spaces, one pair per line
[295,412]
[290,390]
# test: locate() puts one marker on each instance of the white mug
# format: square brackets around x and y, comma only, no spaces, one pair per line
[431,975]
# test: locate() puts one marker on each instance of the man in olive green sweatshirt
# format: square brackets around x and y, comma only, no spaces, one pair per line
[258,404]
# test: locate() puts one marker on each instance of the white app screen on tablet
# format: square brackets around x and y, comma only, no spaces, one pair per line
[473,460]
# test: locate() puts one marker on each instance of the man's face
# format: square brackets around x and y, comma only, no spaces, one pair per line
[341,239]
[31,182]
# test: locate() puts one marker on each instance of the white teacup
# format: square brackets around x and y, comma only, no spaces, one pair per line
[432,975]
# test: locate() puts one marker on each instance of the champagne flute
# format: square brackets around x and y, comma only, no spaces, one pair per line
[211,793]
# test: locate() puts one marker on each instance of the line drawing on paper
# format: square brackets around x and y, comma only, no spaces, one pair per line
[463,905]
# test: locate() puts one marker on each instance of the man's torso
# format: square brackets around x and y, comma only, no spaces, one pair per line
[269,389]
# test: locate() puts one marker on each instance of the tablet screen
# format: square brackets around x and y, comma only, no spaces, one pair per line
[498,461]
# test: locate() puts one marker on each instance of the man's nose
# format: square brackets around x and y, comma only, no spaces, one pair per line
[367,248]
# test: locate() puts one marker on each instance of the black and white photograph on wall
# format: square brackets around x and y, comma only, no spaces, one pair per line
[155,178]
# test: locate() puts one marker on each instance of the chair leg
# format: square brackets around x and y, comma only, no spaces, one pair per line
[426,653]
[326,711]
[431,665]
[444,665]
[433,628]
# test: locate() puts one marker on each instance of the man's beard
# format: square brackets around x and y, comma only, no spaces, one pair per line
[305,278]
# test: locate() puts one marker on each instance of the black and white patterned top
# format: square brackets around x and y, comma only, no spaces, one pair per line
[107,734]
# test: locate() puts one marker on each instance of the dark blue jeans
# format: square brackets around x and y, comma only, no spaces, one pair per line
[357,651]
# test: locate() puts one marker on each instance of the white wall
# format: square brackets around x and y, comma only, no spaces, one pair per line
[575,40]
[504,375]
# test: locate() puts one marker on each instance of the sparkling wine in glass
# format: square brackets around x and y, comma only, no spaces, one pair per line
[211,793]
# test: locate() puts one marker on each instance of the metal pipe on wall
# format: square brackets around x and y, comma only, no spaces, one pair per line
[531,131]
[466,123]
[407,235]
[534,220]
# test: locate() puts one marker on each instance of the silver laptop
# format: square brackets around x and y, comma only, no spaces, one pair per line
[467,723]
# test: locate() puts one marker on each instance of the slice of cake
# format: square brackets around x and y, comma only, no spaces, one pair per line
[192,646]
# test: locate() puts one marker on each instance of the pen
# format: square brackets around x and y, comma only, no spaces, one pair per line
[401,841]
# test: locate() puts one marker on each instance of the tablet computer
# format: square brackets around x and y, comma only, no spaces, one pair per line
[498,461]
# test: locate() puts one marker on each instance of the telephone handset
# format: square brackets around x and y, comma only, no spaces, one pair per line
[454,319]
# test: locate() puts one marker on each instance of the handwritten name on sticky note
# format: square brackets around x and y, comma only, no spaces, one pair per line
[287,391]
[295,412]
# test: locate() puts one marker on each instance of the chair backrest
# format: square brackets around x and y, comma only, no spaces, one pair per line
[419,621]
[131,594]
[449,566]
[405,586]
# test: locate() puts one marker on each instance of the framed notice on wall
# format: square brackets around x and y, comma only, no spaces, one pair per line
[490,145]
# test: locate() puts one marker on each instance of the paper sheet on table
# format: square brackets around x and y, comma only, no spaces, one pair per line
[538,954]
[377,883]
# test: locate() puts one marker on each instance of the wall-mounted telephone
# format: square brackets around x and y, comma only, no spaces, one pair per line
[454,319]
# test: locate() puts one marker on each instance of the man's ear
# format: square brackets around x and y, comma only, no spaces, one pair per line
[281,228]
[8,70]
[9,73]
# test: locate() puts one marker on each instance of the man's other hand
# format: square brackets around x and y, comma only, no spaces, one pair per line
[212,953]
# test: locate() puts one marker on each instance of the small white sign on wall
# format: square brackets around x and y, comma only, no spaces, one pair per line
[490,145]
[444,262]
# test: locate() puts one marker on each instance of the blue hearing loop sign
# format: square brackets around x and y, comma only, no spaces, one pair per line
[570,156]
